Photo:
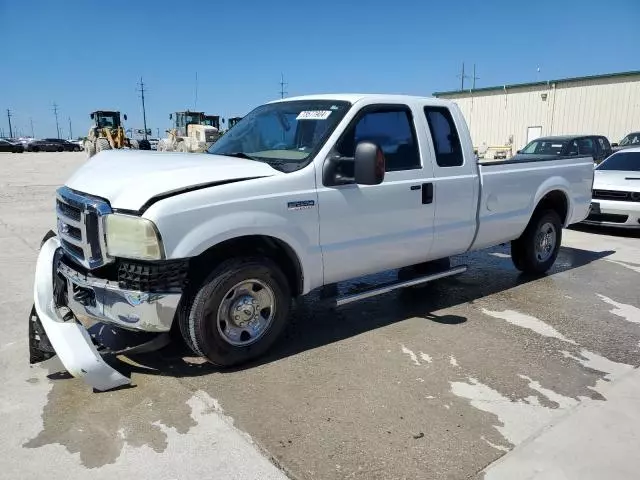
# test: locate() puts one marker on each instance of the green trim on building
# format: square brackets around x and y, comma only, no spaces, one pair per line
[539,84]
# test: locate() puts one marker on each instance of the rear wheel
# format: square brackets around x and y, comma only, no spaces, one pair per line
[90,148]
[144,145]
[60,149]
[35,149]
[182,147]
[238,312]
[537,248]
[102,144]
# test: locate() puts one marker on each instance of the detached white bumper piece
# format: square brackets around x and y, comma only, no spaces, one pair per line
[69,339]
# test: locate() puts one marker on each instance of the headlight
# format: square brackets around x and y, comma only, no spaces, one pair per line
[132,237]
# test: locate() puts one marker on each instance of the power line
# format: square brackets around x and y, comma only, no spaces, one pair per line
[283,84]
[9,118]
[55,112]
[144,112]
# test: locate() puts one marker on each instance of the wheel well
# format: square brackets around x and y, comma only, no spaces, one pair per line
[271,247]
[557,201]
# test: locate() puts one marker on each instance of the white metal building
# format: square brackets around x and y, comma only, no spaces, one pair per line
[511,115]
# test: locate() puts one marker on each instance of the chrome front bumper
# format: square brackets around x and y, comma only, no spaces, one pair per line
[104,301]
[91,301]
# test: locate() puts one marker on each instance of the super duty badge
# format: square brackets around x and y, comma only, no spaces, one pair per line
[301,205]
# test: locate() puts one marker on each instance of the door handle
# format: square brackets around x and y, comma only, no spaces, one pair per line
[415,187]
[427,193]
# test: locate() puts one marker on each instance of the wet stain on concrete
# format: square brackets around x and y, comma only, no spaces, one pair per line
[97,425]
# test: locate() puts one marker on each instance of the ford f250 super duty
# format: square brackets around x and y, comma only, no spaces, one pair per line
[302,193]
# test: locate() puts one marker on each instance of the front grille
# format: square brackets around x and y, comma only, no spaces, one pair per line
[167,276]
[80,227]
[616,195]
[608,217]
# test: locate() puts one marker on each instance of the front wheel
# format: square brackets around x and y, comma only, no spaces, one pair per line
[537,248]
[238,312]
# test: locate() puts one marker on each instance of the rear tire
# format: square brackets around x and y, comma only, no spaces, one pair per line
[90,148]
[536,250]
[256,289]
[102,144]
[60,149]
[182,147]
[35,149]
[144,145]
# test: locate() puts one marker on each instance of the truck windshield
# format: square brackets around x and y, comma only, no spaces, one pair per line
[286,135]
[545,147]
[623,161]
[631,139]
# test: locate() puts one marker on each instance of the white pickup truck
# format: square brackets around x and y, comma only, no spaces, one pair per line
[300,194]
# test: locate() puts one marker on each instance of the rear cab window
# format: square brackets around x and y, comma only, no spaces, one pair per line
[444,135]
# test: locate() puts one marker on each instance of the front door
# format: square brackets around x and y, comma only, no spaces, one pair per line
[368,228]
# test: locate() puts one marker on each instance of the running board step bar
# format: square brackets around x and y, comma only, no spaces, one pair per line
[389,287]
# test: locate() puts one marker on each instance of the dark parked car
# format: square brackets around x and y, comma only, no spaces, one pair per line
[8,146]
[597,146]
[52,145]
[631,140]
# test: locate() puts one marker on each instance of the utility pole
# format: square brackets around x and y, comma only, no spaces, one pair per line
[70,131]
[474,77]
[195,103]
[283,84]
[33,135]
[9,118]
[158,131]
[462,76]
[144,112]
[55,112]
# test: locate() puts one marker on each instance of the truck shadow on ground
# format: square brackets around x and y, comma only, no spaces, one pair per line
[315,324]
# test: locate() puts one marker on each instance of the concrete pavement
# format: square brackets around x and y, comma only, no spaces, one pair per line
[434,385]
[596,440]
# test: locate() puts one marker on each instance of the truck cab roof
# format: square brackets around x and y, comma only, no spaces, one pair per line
[373,97]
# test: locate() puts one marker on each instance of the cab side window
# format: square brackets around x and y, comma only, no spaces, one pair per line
[445,137]
[391,128]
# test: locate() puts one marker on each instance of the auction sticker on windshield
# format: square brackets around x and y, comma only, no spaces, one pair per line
[314,115]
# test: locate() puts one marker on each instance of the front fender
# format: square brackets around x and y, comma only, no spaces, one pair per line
[218,229]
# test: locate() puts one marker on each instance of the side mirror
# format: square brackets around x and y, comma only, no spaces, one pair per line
[369,164]
[92,116]
[614,144]
[171,116]
[125,117]
[518,151]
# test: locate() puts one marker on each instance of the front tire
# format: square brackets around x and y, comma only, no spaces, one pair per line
[536,250]
[238,312]
[102,144]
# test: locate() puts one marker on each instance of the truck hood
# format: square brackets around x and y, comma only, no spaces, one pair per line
[129,178]
[616,180]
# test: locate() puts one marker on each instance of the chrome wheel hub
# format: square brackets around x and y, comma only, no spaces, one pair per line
[246,312]
[545,242]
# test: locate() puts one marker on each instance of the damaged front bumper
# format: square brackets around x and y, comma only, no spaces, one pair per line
[75,314]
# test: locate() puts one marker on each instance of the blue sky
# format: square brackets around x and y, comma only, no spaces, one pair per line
[87,57]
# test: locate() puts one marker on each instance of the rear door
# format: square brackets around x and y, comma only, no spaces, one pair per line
[456,182]
[369,228]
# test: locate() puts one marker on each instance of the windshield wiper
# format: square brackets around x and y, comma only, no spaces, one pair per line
[237,155]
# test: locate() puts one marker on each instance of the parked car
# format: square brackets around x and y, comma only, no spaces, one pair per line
[631,140]
[616,191]
[297,196]
[153,142]
[52,145]
[10,146]
[595,146]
